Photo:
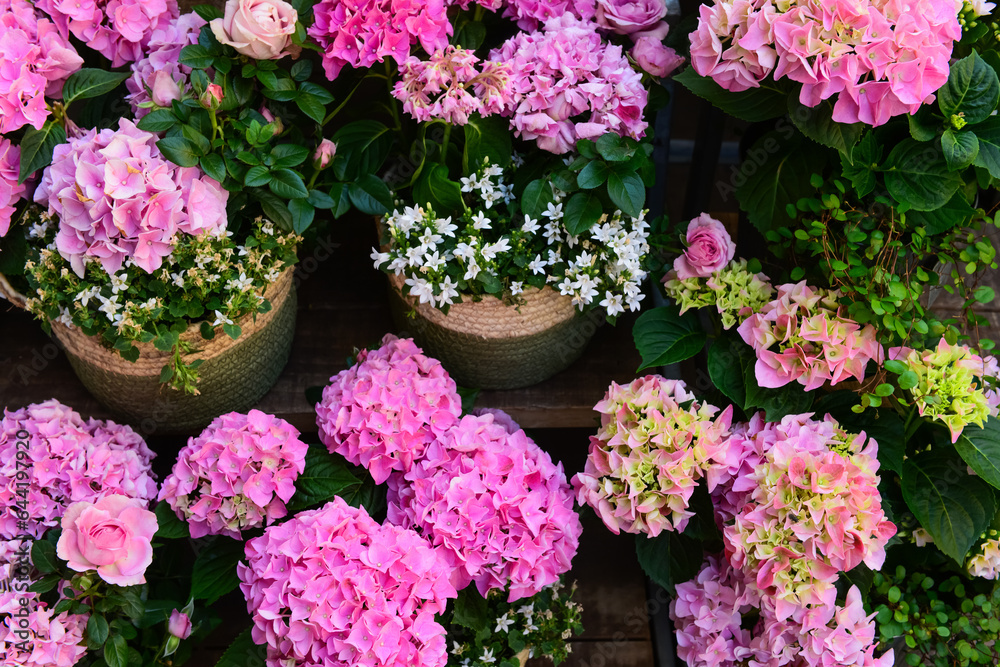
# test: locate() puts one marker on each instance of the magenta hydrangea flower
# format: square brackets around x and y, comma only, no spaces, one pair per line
[384,411]
[570,84]
[360,33]
[801,336]
[10,190]
[37,59]
[158,76]
[70,460]
[333,587]
[494,504]
[117,198]
[118,29]
[808,509]
[238,474]
[448,86]
[880,58]
[649,454]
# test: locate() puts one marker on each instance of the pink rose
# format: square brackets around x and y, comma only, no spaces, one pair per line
[111,536]
[324,154]
[654,57]
[709,249]
[211,99]
[625,17]
[165,89]
[179,625]
[261,29]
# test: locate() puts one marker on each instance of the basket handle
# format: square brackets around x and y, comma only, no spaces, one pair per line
[8,292]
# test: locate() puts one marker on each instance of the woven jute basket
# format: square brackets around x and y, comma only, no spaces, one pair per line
[490,345]
[234,374]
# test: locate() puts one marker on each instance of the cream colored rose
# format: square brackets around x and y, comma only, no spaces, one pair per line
[261,29]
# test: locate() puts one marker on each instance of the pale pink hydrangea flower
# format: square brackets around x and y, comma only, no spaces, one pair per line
[161,59]
[71,460]
[238,474]
[493,504]
[448,86]
[37,59]
[117,198]
[649,454]
[808,508]
[801,336]
[360,33]
[570,84]
[333,587]
[529,14]
[881,58]
[386,409]
[118,29]
[57,640]
[10,190]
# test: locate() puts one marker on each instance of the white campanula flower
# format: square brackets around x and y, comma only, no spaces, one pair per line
[613,304]
[537,265]
[472,270]
[379,258]
[119,283]
[429,239]
[421,289]
[469,183]
[554,212]
[445,227]
[504,623]
[491,250]
[433,261]
[516,287]
[480,221]
[487,657]
[530,225]
[553,233]
[241,284]
[448,292]
[221,319]
[86,295]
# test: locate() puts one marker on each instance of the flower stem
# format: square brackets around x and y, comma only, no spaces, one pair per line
[444,143]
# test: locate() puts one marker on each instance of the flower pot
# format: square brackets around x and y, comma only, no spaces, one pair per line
[234,374]
[489,345]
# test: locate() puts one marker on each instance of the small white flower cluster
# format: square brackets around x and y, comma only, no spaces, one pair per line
[490,250]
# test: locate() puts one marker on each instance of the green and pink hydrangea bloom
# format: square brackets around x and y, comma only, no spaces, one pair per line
[734,291]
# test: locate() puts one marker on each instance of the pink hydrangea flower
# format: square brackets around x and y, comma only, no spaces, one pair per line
[570,84]
[360,33]
[160,62]
[118,29]
[880,58]
[493,504]
[10,190]
[802,507]
[71,460]
[238,474]
[56,640]
[384,411]
[529,14]
[649,454]
[332,586]
[37,59]
[802,337]
[448,86]
[117,198]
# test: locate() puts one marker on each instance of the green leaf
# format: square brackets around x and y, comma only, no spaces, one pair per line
[817,123]
[37,147]
[486,138]
[43,556]
[669,558]
[728,359]
[988,133]
[955,213]
[953,506]
[980,448]
[302,214]
[320,199]
[860,576]
[274,208]
[116,652]
[468,397]
[972,90]
[627,192]
[613,148]
[776,173]
[471,609]
[178,150]
[257,177]
[213,165]
[536,198]
[582,210]
[593,175]
[88,82]
[755,105]
[287,184]
[97,629]
[311,106]
[326,476]
[916,174]
[46,583]
[924,126]
[289,155]
[208,12]
[370,195]
[860,169]
[214,572]
[243,652]
[960,148]
[471,35]
[908,380]
[196,56]
[362,147]
[168,525]
[435,188]
[663,336]
[157,120]
[301,70]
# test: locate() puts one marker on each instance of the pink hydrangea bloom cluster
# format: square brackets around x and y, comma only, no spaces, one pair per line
[360,33]
[117,198]
[238,474]
[709,615]
[158,76]
[118,29]
[569,84]
[649,454]
[332,586]
[37,59]
[448,86]
[881,58]
[71,460]
[10,190]
[801,336]
[529,14]
[494,504]
[809,509]
[57,640]
[385,410]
